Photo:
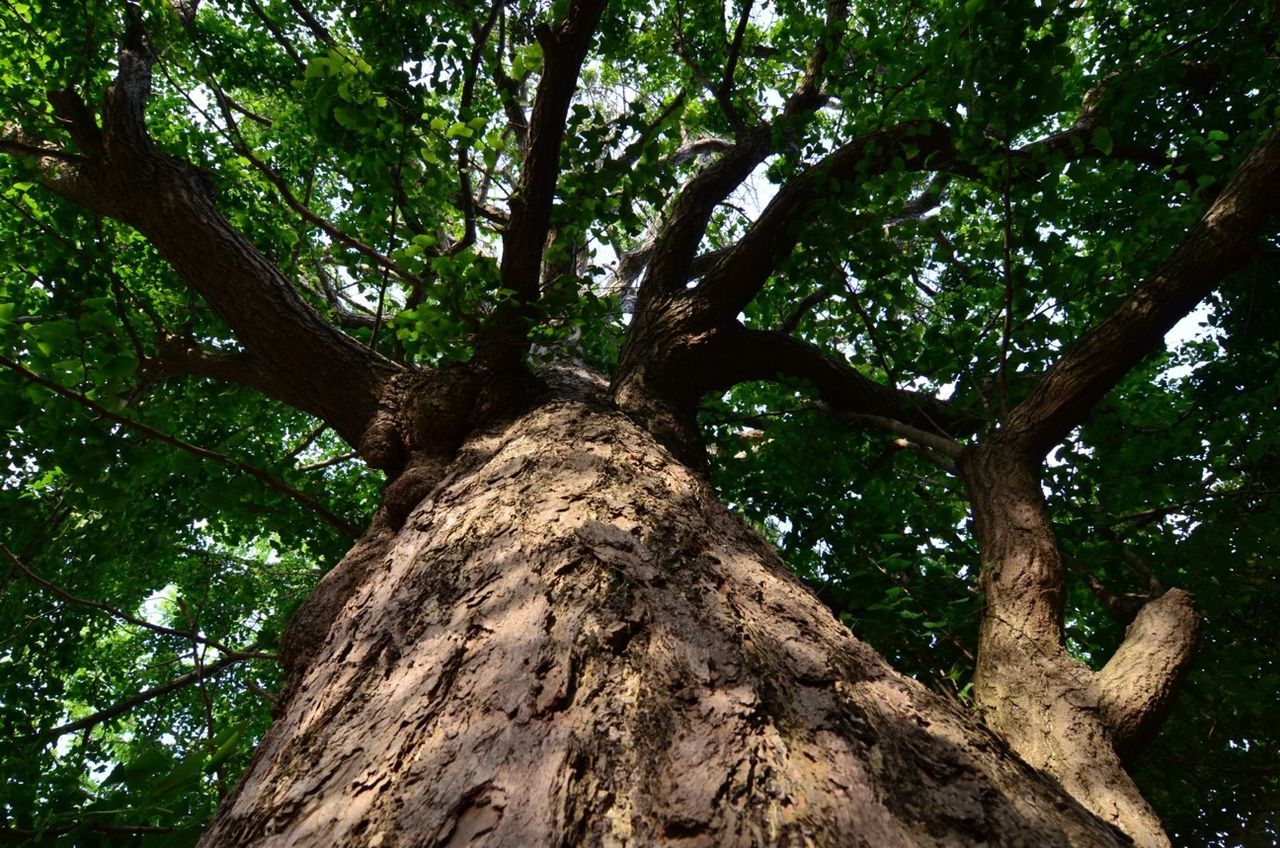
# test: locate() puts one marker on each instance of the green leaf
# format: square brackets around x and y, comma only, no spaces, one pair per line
[1101,139]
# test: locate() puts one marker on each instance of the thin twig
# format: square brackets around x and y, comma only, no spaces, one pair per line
[53,588]
[204,453]
[209,671]
[331,461]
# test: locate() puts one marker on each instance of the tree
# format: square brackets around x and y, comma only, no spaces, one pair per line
[534,289]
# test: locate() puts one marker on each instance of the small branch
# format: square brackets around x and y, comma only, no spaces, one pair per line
[932,441]
[1113,604]
[1006,335]
[276,33]
[802,309]
[306,442]
[291,200]
[18,834]
[270,697]
[870,326]
[735,49]
[317,29]
[927,200]
[331,461]
[466,196]
[1141,518]
[204,453]
[209,671]
[188,635]
[720,93]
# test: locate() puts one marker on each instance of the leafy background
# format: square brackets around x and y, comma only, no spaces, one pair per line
[363,120]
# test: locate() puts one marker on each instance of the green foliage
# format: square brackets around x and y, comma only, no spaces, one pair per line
[369,116]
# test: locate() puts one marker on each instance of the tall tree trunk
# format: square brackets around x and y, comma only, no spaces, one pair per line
[572,642]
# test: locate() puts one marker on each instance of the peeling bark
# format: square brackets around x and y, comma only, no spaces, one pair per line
[571,642]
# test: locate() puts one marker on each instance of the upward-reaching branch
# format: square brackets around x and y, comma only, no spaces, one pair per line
[1216,247]
[564,48]
[124,176]
[739,275]
[681,232]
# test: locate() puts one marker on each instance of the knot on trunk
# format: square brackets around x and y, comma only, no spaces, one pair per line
[424,416]
[420,411]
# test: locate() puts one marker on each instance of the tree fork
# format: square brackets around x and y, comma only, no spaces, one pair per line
[1061,717]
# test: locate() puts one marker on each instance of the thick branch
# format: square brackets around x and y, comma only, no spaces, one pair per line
[1216,247]
[565,48]
[682,231]
[746,355]
[179,355]
[525,238]
[1138,684]
[737,278]
[331,375]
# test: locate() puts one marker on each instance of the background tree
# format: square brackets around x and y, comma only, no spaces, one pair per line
[872,269]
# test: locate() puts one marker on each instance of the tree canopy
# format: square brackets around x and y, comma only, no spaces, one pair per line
[940,198]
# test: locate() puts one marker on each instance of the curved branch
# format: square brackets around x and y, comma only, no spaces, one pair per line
[166,199]
[1138,684]
[745,355]
[1216,247]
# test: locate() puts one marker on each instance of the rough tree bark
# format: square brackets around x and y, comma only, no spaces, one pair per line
[553,633]
[572,642]
[1055,712]
[1058,715]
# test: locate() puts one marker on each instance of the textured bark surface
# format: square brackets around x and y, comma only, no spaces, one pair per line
[571,642]
[1059,715]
